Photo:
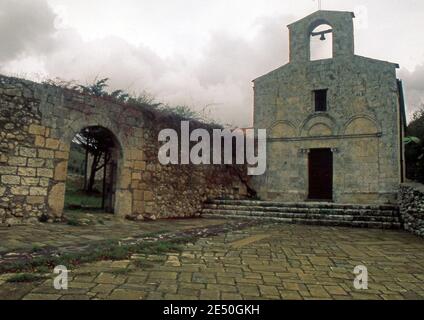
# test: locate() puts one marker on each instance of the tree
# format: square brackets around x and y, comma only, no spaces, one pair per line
[97,89]
[98,143]
[416,126]
[414,147]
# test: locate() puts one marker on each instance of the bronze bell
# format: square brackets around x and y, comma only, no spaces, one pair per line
[322,37]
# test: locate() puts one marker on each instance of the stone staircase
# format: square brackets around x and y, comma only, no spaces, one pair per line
[314,213]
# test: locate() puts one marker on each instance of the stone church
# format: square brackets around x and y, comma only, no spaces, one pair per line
[335,125]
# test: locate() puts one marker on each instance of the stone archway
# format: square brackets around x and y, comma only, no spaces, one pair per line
[99,154]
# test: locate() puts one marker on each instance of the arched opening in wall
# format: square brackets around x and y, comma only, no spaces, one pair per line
[92,172]
[321,42]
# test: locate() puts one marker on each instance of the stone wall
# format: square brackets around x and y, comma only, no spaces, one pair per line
[360,126]
[37,125]
[411,205]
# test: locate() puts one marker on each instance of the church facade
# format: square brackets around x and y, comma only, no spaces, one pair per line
[335,125]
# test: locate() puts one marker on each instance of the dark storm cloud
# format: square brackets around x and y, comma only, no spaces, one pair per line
[26,27]
[414,88]
[216,79]
[219,83]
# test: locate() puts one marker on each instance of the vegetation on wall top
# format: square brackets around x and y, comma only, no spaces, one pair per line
[144,101]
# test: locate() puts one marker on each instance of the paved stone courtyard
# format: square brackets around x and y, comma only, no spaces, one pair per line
[271,261]
[94,227]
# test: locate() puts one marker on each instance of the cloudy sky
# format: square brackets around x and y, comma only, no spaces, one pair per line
[200,53]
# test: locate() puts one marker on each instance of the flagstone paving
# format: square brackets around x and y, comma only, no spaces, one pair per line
[271,261]
[94,227]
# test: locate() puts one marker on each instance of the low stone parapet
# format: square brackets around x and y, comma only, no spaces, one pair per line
[411,204]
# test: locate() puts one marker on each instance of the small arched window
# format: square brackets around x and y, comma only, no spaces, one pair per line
[321,42]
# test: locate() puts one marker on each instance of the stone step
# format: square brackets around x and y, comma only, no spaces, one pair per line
[314,216]
[326,222]
[320,213]
[326,205]
[304,210]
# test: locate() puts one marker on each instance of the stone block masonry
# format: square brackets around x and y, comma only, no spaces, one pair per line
[411,205]
[37,125]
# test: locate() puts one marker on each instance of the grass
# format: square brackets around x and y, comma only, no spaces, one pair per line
[156,233]
[36,248]
[72,221]
[43,269]
[75,198]
[106,250]
[166,246]
[76,220]
[25,277]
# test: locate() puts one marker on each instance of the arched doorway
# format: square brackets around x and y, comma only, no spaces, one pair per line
[92,171]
